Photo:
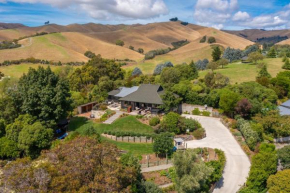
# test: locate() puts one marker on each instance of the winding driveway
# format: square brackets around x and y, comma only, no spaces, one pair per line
[237,164]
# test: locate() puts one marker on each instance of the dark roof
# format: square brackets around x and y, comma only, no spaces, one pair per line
[146,93]
[114,92]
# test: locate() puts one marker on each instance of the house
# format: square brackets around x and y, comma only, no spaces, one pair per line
[285,108]
[146,97]
[245,59]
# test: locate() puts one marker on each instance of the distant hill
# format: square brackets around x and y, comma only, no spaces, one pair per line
[263,36]
[71,41]
[10,25]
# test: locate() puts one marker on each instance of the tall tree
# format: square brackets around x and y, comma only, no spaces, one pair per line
[43,95]
[255,57]
[191,172]
[216,53]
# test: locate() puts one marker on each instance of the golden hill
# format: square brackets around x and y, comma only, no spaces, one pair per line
[73,40]
[285,42]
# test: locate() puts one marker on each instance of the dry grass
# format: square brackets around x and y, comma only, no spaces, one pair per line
[67,47]
[284,42]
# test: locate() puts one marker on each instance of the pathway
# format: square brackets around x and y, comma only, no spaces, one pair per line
[114,117]
[237,165]
[156,168]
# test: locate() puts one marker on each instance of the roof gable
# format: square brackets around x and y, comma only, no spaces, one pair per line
[146,93]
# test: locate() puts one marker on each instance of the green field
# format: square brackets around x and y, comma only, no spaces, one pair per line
[127,124]
[239,72]
[16,71]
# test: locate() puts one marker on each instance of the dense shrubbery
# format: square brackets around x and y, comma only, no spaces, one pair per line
[163,144]
[154,121]
[232,54]
[203,39]
[92,171]
[39,61]
[137,72]
[151,54]
[130,134]
[264,164]
[174,19]
[252,137]
[158,69]
[202,64]
[184,23]
[218,167]
[211,40]
[120,43]
[179,44]
[284,157]
[90,54]
[279,182]
[192,174]
[9,45]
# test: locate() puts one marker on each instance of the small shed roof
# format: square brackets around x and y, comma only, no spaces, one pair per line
[178,140]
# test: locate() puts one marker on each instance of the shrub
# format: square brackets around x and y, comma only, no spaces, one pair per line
[89,54]
[196,111]
[151,54]
[232,54]
[163,144]
[8,149]
[150,187]
[199,133]
[174,19]
[251,136]
[131,47]
[154,121]
[137,72]
[191,124]
[202,64]
[141,50]
[184,23]
[158,69]
[205,113]
[211,40]
[120,43]
[203,39]
[284,157]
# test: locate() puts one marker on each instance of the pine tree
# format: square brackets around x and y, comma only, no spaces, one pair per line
[272,53]
[264,72]
[287,64]
[216,54]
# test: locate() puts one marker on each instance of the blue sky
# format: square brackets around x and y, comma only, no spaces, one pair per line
[221,14]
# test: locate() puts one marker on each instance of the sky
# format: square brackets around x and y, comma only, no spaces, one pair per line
[220,14]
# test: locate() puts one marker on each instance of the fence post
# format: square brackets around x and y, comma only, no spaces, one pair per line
[166,158]
[157,160]
[134,139]
[148,161]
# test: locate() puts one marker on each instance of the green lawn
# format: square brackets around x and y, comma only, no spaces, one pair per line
[137,149]
[129,123]
[16,71]
[126,124]
[239,72]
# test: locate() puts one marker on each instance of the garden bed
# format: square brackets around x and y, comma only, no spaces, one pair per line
[158,177]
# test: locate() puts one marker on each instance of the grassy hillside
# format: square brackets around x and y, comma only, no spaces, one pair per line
[16,71]
[239,72]
[285,42]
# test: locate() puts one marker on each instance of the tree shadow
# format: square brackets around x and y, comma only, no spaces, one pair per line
[220,183]
[77,122]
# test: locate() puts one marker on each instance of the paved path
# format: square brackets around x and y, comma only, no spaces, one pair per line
[166,185]
[237,164]
[156,168]
[114,117]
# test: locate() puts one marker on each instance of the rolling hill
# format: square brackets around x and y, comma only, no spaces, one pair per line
[255,34]
[70,42]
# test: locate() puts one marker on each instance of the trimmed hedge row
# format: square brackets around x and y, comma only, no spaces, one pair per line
[130,134]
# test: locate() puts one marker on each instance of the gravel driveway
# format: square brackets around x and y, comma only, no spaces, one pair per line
[237,164]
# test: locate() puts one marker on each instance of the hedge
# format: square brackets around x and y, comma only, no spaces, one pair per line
[130,134]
